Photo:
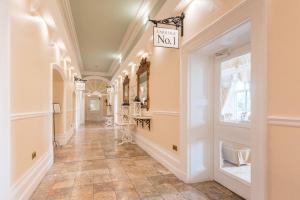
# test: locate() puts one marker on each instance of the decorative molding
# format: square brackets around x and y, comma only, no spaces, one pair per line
[64,138]
[284,121]
[25,186]
[166,7]
[129,37]
[170,161]
[70,25]
[91,73]
[166,113]
[96,77]
[19,116]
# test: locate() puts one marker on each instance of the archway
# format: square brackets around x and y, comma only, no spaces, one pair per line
[95,100]
[58,103]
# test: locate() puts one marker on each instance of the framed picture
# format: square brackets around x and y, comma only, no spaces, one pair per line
[56,108]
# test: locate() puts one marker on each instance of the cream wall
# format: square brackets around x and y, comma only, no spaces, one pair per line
[30,78]
[70,106]
[284,98]
[164,97]
[33,51]
[164,80]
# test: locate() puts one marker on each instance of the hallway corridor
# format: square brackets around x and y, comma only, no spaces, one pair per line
[93,166]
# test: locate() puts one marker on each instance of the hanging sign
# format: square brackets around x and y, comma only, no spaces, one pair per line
[164,37]
[80,86]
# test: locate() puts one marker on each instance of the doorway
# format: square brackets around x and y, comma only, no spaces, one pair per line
[220,111]
[232,119]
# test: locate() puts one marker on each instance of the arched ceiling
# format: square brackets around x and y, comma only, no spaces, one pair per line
[95,85]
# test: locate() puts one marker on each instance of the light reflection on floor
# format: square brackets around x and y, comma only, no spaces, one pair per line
[93,167]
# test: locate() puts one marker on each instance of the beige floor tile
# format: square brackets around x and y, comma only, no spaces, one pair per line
[93,166]
[105,195]
[127,195]
[122,185]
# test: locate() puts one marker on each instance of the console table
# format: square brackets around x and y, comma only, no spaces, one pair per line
[144,120]
[109,121]
[126,133]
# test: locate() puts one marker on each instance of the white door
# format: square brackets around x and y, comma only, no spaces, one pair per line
[232,121]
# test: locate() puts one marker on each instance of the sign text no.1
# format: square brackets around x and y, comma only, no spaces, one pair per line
[164,37]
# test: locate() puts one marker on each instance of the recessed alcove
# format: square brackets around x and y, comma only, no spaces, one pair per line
[215,114]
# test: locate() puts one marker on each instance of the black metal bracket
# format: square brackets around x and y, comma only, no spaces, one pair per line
[142,121]
[79,79]
[172,21]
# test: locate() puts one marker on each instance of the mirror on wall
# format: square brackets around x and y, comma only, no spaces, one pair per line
[143,83]
[126,91]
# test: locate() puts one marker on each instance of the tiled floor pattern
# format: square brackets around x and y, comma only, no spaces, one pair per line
[93,167]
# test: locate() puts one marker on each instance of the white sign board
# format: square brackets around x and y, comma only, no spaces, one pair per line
[164,37]
[80,85]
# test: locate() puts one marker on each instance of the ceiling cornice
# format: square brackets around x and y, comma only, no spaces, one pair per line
[129,38]
[132,32]
[70,25]
[169,8]
[90,73]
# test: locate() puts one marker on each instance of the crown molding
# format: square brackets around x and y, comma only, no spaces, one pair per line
[70,26]
[132,32]
[91,73]
[129,38]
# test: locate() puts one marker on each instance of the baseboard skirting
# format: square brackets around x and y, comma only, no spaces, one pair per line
[64,138]
[284,121]
[26,185]
[168,160]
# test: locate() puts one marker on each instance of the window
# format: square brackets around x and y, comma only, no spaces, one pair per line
[235,89]
[94,105]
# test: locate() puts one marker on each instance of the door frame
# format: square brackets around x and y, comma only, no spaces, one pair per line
[256,12]
[244,130]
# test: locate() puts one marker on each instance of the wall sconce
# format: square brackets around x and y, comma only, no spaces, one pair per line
[34,7]
[140,53]
[125,72]
[145,55]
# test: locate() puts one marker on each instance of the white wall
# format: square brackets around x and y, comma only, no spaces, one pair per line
[4,100]
[201,113]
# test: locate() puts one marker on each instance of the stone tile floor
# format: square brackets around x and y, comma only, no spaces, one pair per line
[93,167]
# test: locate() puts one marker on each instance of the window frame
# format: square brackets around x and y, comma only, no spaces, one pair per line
[218,61]
[89,103]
